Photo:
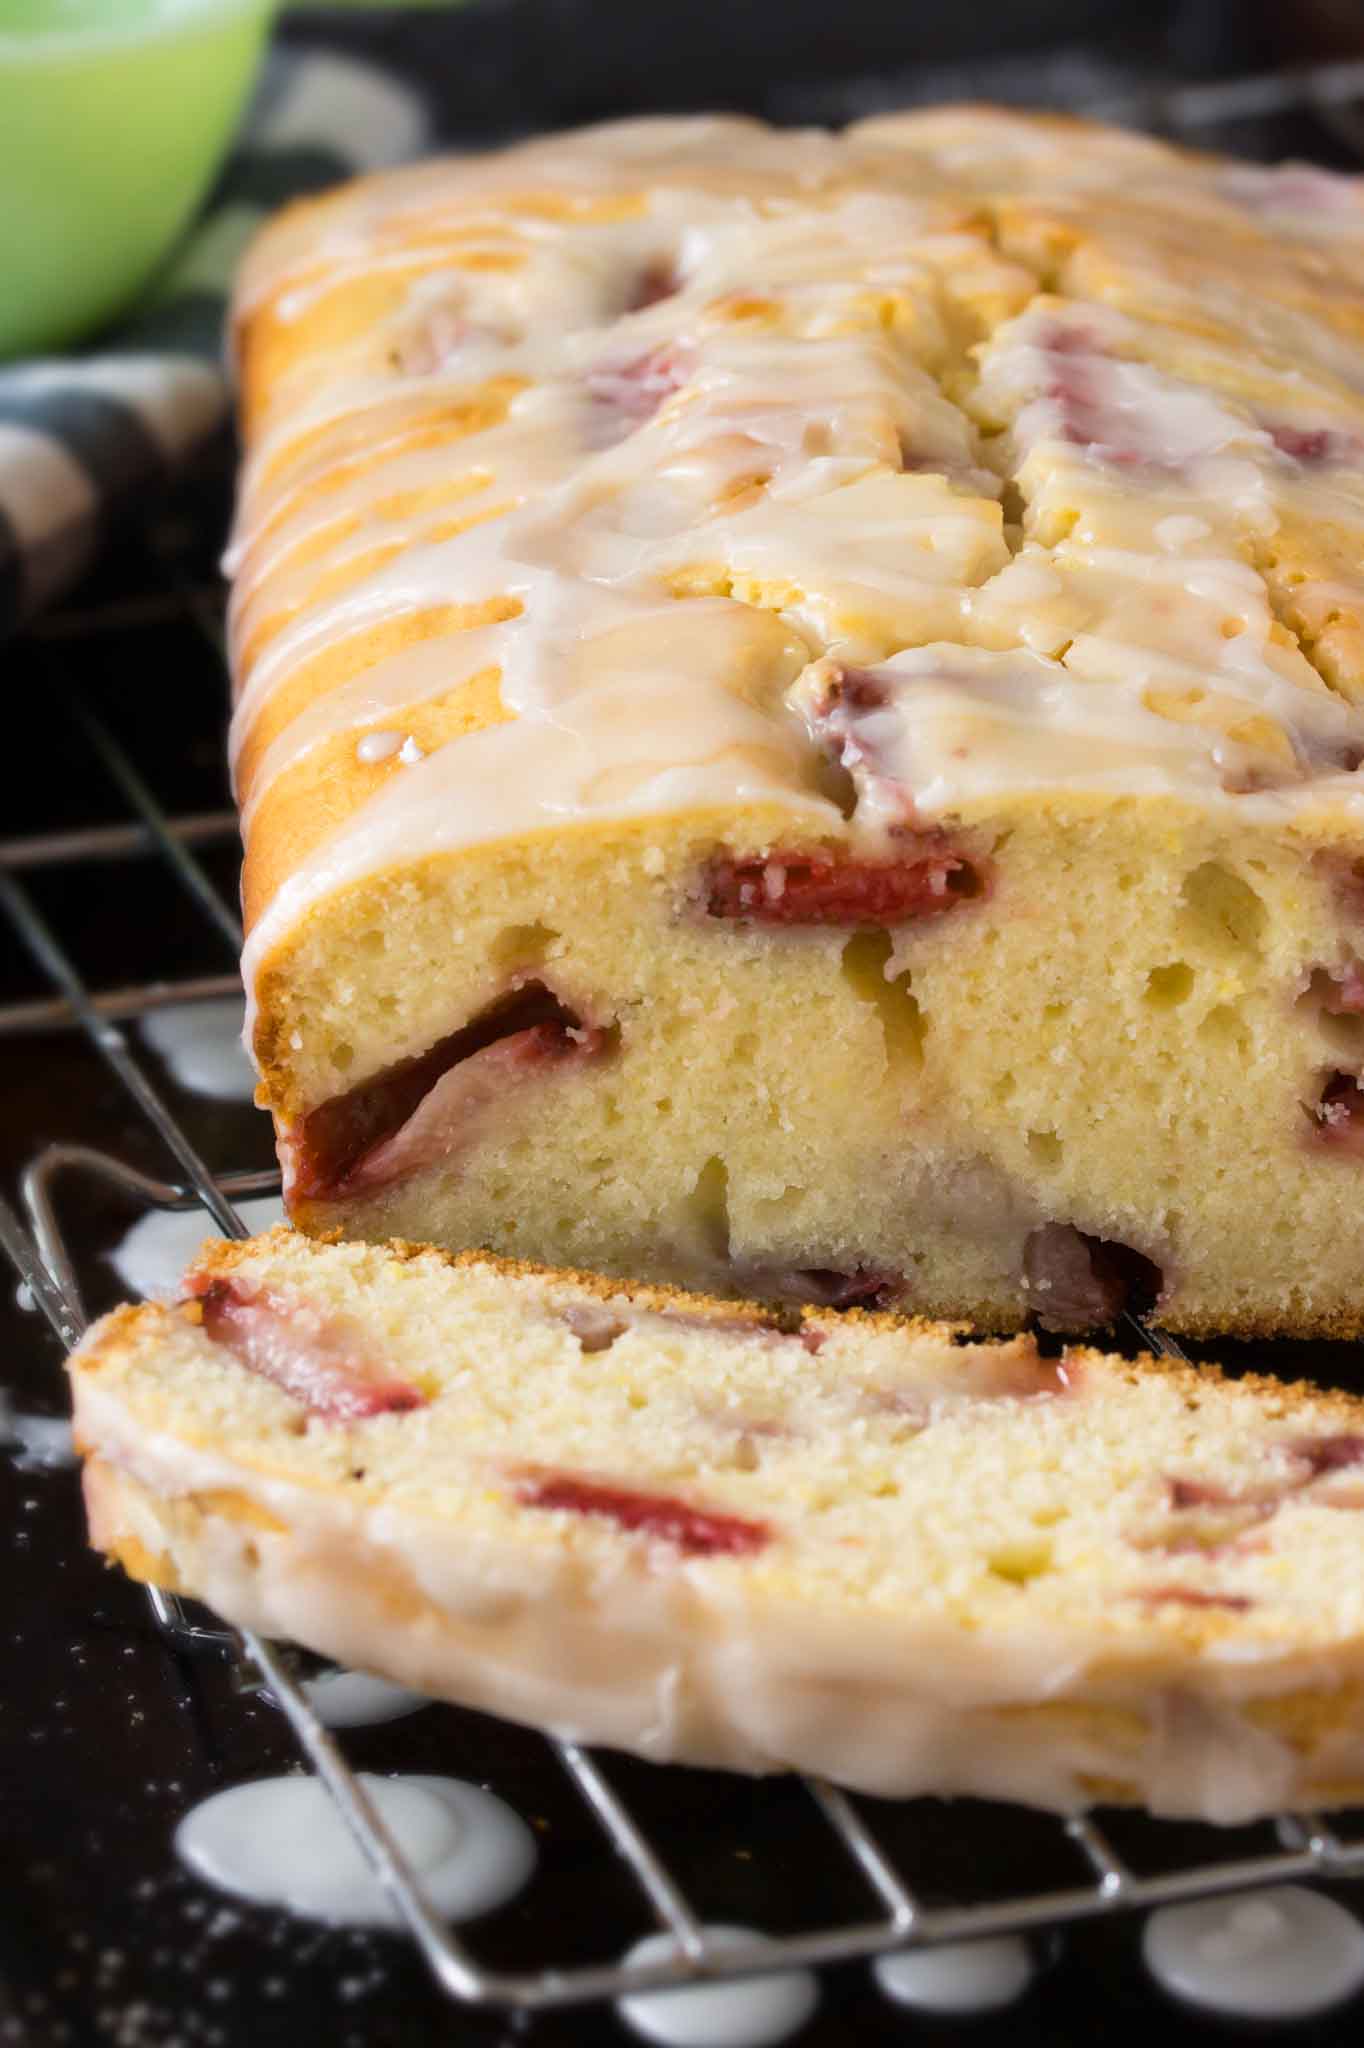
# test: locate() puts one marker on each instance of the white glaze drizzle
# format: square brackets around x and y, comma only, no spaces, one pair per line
[1280,1954]
[958,1976]
[281,1842]
[153,1253]
[357,1699]
[200,1044]
[1059,374]
[377,746]
[748,2013]
[962,726]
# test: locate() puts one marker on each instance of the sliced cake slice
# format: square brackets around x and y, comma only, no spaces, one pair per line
[848,1543]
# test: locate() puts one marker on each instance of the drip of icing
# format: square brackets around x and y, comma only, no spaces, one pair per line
[430,669]
[357,1699]
[1280,1954]
[200,1044]
[960,1976]
[1181,530]
[39,1443]
[150,1257]
[281,1842]
[377,746]
[748,2013]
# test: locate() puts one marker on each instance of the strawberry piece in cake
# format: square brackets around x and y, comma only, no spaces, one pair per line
[320,1361]
[792,888]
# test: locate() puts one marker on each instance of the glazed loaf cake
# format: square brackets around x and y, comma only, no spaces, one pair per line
[799,715]
[850,1543]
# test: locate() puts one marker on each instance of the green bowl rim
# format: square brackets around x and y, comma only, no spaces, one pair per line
[38,45]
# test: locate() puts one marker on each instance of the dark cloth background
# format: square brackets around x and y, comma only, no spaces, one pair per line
[501,67]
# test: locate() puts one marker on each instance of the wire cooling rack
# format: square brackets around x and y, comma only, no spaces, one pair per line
[895,1915]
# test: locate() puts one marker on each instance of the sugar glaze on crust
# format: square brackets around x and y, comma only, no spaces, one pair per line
[1195,1645]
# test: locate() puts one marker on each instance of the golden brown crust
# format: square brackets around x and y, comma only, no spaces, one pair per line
[223,1256]
[118,1330]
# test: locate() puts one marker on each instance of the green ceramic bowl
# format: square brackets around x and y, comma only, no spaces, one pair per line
[114,116]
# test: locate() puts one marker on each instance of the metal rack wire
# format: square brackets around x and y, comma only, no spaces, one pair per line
[895,1917]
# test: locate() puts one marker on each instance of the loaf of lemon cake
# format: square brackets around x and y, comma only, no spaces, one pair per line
[799,714]
[852,1543]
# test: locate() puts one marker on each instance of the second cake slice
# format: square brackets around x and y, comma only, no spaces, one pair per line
[855,1545]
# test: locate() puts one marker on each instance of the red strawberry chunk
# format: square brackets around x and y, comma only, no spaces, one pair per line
[862,1288]
[1312,446]
[1344,993]
[1080,1282]
[796,889]
[1087,411]
[1344,873]
[1323,1454]
[851,690]
[1339,1114]
[1121,412]
[416,1112]
[627,394]
[1226,1524]
[1084,421]
[318,1359]
[699,1532]
[1202,1493]
[447,1120]
[860,721]
[1191,1596]
[1313,1458]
